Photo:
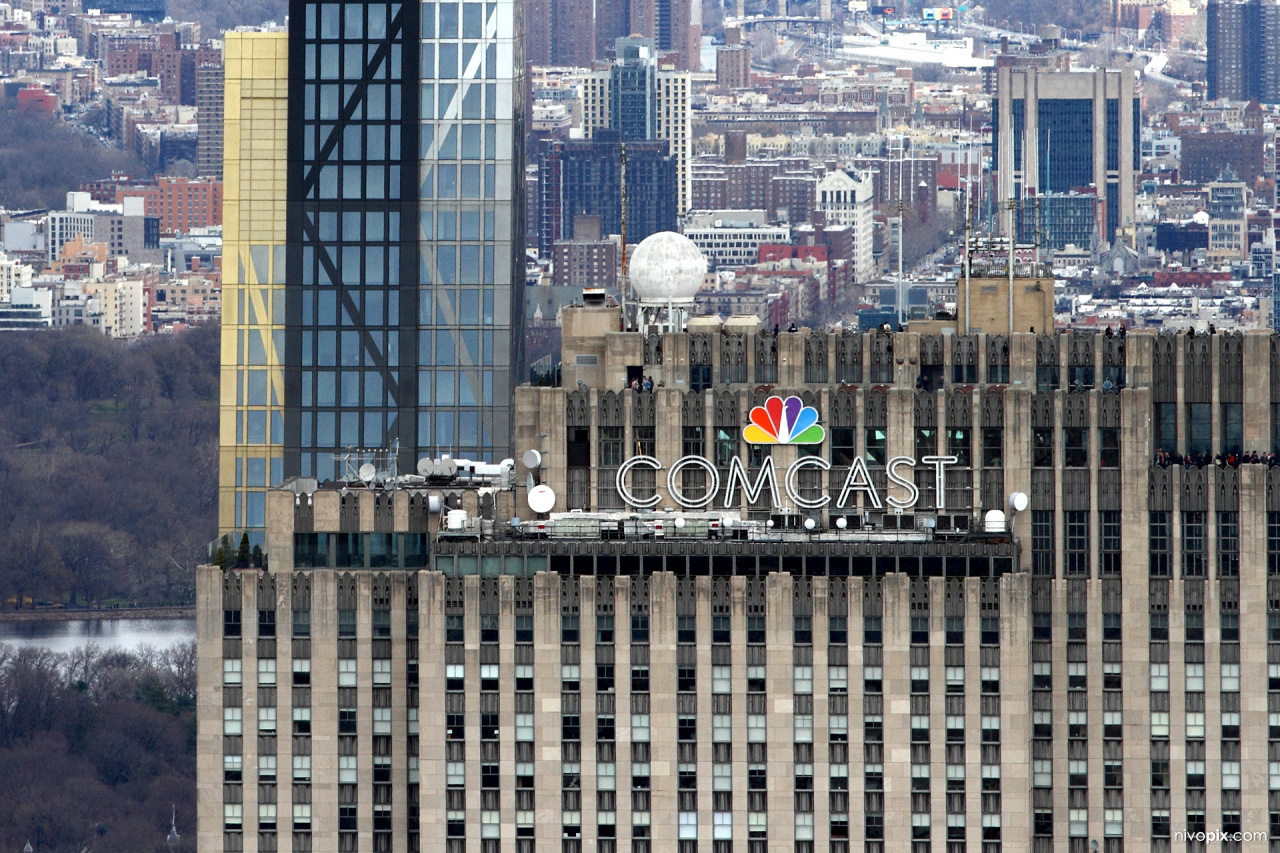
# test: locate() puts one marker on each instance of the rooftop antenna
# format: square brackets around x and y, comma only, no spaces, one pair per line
[1013,242]
[968,238]
[622,290]
[901,229]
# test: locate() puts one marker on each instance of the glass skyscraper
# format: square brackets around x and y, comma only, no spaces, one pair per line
[403,208]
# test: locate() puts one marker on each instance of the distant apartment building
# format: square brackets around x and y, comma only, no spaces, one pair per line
[1228,222]
[1206,156]
[733,66]
[12,274]
[846,200]
[588,260]
[209,101]
[126,228]
[180,204]
[1243,51]
[913,180]
[123,305]
[163,56]
[560,32]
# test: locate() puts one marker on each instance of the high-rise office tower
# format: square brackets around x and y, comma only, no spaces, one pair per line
[395,211]
[1243,42]
[644,100]
[1058,131]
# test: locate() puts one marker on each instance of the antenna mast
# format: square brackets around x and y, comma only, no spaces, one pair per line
[622,288]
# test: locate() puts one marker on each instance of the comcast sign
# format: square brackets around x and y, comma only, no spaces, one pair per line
[785,421]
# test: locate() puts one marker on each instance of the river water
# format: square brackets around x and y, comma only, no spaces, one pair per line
[125,634]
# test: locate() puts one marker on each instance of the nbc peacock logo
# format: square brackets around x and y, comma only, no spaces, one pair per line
[787,421]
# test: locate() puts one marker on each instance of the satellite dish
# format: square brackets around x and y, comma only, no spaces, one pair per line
[532,460]
[1018,501]
[542,499]
[367,472]
[426,467]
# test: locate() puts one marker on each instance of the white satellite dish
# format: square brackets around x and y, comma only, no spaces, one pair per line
[1018,501]
[532,460]
[367,472]
[542,499]
[426,467]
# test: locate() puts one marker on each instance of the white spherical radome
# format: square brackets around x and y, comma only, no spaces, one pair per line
[666,267]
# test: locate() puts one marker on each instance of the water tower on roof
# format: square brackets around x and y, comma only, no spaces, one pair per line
[666,274]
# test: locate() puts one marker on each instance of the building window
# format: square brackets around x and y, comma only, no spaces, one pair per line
[1076,543]
[1228,544]
[1076,448]
[843,446]
[1109,543]
[992,447]
[1273,543]
[1042,447]
[1166,427]
[1193,544]
[1042,542]
[926,442]
[877,443]
[1158,544]
[960,445]
[1232,428]
[1199,428]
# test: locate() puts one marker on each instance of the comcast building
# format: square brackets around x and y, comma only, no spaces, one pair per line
[756,591]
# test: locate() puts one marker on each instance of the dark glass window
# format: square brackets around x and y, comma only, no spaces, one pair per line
[1199,428]
[992,447]
[1075,448]
[611,446]
[877,442]
[1166,427]
[1109,447]
[1159,544]
[1042,542]
[1228,544]
[1232,428]
[1042,447]
[843,446]
[1109,543]
[1193,544]
[1273,543]
[346,623]
[960,445]
[727,446]
[1076,542]
[926,442]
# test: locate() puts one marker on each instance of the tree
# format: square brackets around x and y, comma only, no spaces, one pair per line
[92,554]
